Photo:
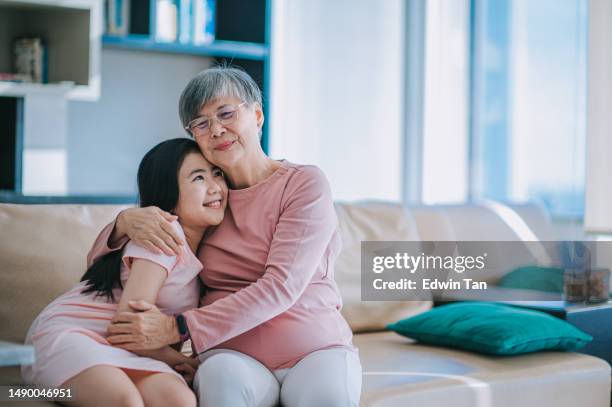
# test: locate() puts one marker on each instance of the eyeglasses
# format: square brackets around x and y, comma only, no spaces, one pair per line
[200,126]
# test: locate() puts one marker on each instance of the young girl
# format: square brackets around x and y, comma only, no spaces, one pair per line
[69,336]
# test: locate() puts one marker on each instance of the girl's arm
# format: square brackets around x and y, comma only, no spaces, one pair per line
[145,280]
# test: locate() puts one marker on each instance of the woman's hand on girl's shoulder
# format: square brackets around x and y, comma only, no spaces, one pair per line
[151,228]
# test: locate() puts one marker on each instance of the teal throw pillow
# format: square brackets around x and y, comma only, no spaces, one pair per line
[492,329]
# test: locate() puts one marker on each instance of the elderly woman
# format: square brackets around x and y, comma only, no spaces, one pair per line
[269,328]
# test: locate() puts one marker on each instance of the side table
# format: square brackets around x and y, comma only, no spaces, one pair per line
[594,319]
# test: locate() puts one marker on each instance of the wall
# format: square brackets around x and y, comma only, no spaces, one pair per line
[138,108]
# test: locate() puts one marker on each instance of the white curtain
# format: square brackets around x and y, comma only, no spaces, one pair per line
[445,135]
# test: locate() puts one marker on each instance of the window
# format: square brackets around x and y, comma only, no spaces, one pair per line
[504,104]
[528,103]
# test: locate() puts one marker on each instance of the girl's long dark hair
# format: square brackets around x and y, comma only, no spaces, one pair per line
[157,186]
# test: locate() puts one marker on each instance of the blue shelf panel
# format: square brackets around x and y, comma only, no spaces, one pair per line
[9,197]
[228,49]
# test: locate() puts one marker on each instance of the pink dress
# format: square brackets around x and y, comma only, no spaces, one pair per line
[69,335]
[269,272]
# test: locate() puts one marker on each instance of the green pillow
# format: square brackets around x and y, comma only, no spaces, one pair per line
[491,328]
[549,279]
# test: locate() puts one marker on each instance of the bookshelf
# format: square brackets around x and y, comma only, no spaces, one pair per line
[241,35]
[71,30]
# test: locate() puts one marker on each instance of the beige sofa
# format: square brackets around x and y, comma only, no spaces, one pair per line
[43,254]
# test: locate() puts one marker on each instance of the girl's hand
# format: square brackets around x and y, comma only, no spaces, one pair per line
[150,228]
[188,369]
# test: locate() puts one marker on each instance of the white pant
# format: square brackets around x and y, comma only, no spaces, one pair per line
[325,378]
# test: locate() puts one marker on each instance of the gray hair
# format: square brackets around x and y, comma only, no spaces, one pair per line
[215,82]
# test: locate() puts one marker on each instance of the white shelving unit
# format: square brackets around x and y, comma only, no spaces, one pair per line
[34,116]
[10,89]
[72,30]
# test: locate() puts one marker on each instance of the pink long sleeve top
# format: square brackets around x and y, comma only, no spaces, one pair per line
[269,271]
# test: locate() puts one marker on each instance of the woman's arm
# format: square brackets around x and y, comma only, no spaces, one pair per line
[305,228]
[149,227]
[144,282]
[303,233]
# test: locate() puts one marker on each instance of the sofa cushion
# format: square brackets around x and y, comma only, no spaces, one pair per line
[489,222]
[31,267]
[492,328]
[371,221]
[399,372]
[42,256]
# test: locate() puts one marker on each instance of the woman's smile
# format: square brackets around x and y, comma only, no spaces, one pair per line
[226,145]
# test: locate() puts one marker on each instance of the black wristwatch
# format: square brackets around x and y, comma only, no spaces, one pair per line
[181,323]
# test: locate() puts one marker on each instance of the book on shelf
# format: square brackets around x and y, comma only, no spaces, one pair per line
[117,16]
[188,21]
[204,22]
[185,21]
[14,77]
[31,59]
[166,21]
